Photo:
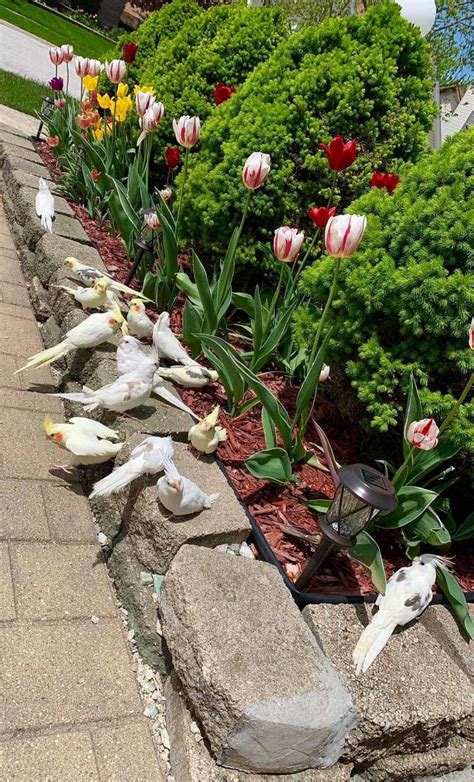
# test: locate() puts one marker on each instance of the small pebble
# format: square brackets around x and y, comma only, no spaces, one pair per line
[146,578]
[246,551]
[158,627]
[165,739]
[95,620]
[102,538]
[157,583]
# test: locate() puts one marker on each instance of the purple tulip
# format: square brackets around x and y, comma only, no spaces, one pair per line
[56,83]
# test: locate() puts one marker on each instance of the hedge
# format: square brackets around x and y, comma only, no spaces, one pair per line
[362,77]
[406,298]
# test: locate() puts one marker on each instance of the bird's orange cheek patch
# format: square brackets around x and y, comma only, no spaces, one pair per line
[136,307]
[111,322]
[59,437]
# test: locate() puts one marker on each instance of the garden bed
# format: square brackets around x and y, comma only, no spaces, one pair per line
[269,506]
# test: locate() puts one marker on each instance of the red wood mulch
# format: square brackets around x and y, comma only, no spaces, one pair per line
[272,505]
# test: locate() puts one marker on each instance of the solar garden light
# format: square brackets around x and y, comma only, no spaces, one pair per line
[360,494]
[47,106]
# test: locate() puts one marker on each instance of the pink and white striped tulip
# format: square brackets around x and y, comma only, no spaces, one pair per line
[56,55]
[81,66]
[471,335]
[68,52]
[60,103]
[150,120]
[324,374]
[143,102]
[256,170]
[94,68]
[115,70]
[166,193]
[423,434]
[343,234]
[187,131]
[287,243]
[151,219]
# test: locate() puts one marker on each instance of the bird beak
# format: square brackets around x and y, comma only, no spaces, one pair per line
[177,485]
[211,419]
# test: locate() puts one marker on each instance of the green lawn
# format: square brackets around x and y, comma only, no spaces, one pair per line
[21,94]
[53,28]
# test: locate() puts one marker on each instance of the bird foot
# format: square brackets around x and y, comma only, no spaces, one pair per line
[129,415]
[64,467]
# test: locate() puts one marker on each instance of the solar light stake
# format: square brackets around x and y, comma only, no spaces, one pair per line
[361,493]
[143,247]
[47,105]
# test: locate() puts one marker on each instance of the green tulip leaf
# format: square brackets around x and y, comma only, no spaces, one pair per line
[366,551]
[270,465]
[412,502]
[455,596]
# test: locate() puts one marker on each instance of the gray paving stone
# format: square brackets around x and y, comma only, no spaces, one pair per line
[37,169]
[54,757]
[10,268]
[126,753]
[69,515]
[18,178]
[7,138]
[14,294]
[23,515]
[65,673]
[15,311]
[11,328]
[25,197]
[18,147]
[63,226]
[7,243]
[55,581]
[29,400]
[452,756]
[8,366]
[7,599]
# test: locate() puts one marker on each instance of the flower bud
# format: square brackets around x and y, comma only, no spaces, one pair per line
[68,52]
[81,66]
[256,169]
[187,131]
[129,51]
[56,55]
[115,70]
[94,68]
[320,215]
[143,101]
[166,193]
[423,434]
[287,243]
[340,155]
[343,234]
[151,219]
[324,374]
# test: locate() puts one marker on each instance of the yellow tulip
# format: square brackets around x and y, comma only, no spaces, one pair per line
[98,134]
[137,88]
[104,101]
[90,83]
[122,90]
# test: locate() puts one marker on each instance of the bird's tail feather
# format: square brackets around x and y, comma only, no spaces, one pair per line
[168,396]
[47,223]
[85,397]
[118,479]
[371,642]
[65,288]
[46,356]
[210,500]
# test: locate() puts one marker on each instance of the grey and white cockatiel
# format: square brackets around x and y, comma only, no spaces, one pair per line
[89,275]
[180,495]
[44,203]
[167,345]
[148,458]
[408,593]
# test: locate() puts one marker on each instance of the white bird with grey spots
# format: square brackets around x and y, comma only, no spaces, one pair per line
[130,353]
[180,495]
[89,275]
[408,593]
[194,376]
[167,345]
[44,204]
[148,458]
[127,392]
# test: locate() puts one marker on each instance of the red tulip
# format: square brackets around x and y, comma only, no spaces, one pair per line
[378,180]
[340,155]
[52,141]
[388,181]
[423,434]
[129,51]
[222,92]
[320,215]
[95,175]
[172,156]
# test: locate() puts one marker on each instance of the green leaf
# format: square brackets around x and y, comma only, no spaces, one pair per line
[426,461]
[205,294]
[466,530]
[224,285]
[257,322]
[192,325]
[455,596]
[275,337]
[185,284]
[413,412]
[366,551]
[412,502]
[320,506]
[428,528]
[227,356]
[268,430]
[270,465]
[310,383]
[244,302]
[170,247]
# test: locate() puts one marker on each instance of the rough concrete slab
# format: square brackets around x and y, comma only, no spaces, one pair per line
[191,760]
[10,268]
[416,694]
[19,147]
[267,698]
[65,226]
[155,535]
[54,581]
[453,756]
[38,380]
[6,243]
[8,138]
[28,400]
[15,311]
[18,178]
[23,516]
[51,252]
[24,454]
[45,686]
[55,756]
[126,753]
[8,367]
[13,127]
[68,514]
[11,327]
[14,294]
[25,197]
[12,162]
[7,599]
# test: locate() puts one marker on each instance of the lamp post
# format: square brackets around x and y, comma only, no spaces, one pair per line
[361,493]
[47,106]
[143,246]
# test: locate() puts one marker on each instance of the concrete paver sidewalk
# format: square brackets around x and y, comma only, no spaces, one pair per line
[71,708]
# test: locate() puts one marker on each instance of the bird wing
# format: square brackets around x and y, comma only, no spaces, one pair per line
[155,451]
[401,601]
[122,390]
[88,425]
[90,331]
[85,444]
[44,203]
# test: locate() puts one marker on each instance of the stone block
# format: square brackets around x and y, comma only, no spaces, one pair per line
[266,697]
[18,178]
[9,139]
[39,300]
[191,760]
[50,332]
[12,162]
[51,252]
[23,516]
[19,147]
[453,756]
[10,271]
[69,521]
[126,752]
[63,226]
[11,328]
[24,197]
[54,756]
[415,695]
[156,536]
[14,294]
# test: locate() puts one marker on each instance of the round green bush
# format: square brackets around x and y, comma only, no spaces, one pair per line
[223,44]
[406,298]
[362,77]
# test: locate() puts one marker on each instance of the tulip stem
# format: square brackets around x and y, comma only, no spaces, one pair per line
[67,78]
[185,174]
[244,215]
[457,405]
[113,121]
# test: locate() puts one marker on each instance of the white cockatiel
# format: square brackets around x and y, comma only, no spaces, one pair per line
[87,440]
[97,328]
[130,353]
[93,298]
[167,345]
[180,495]
[44,203]
[408,593]
[205,436]
[127,392]
[89,275]
[194,376]
[148,458]
[138,321]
